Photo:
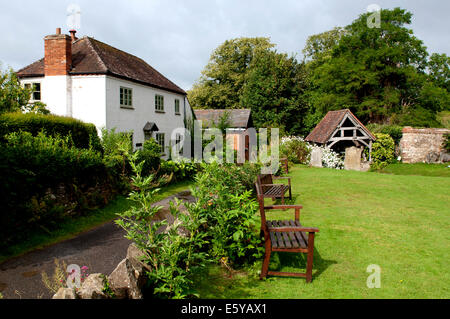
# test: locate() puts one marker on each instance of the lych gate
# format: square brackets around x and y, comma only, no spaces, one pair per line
[341,129]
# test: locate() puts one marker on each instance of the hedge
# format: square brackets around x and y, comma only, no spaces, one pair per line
[83,134]
[33,170]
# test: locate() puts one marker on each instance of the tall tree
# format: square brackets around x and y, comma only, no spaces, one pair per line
[250,73]
[273,91]
[222,80]
[376,72]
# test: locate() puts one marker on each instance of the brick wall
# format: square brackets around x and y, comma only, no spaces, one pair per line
[58,54]
[421,145]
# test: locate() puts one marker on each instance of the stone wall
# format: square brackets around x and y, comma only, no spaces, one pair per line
[422,145]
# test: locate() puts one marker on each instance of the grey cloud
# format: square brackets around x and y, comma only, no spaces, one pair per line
[177,37]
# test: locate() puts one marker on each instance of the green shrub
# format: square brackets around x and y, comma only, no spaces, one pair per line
[115,145]
[33,168]
[179,170]
[172,256]
[83,135]
[394,131]
[446,143]
[295,149]
[382,151]
[151,154]
[230,211]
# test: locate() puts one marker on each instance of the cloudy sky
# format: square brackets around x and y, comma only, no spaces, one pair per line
[177,37]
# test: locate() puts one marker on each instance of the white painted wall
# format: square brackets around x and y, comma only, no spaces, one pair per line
[143,111]
[89,99]
[96,99]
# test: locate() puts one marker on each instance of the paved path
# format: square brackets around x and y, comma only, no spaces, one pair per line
[101,249]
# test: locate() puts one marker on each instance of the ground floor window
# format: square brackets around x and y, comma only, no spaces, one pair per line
[160,139]
[35,90]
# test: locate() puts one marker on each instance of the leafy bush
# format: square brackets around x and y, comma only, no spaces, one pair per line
[151,154]
[82,135]
[115,146]
[382,151]
[295,149]
[394,131]
[171,255]
[230,211]
[180,170]
[446,143]
[33,170]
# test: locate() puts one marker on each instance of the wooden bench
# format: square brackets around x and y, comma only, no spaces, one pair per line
[286,236]
[268,189]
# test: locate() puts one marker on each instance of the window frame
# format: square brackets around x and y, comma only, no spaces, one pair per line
[159,103]
[177,104]
[163,144]
[126,93]
[32,86]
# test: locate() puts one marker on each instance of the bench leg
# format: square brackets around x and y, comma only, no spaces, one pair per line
[290,193]
[265,264]
[282,199]
[309,259]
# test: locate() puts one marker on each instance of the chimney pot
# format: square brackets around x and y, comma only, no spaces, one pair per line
[72,35]
[58,30]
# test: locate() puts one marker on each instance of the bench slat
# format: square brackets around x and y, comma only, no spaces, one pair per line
[292,238]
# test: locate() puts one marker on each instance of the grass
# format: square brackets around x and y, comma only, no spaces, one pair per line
[420,169]
[399,222]
[72,228]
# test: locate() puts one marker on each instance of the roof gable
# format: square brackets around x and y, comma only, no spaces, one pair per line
[90,56]
[330,123]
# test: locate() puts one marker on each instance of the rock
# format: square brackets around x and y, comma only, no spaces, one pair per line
[127,280]
[65,293]
[353,158]
[432,157]
[92,287]
[444,157]
[134,252]
[316,157]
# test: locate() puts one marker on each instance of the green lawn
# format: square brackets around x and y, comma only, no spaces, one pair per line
[399,222]
[422,169]
[74,227]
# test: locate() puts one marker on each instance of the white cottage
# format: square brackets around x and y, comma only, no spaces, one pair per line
[97,83]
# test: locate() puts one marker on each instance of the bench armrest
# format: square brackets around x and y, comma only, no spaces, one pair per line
[271,185]
[293,229]
[284,207]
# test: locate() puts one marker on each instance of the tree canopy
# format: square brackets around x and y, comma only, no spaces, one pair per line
[384,75]
[14,97]
[378,73]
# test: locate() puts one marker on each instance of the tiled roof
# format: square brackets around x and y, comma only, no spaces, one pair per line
[322,132]
[239,118]
[90,56]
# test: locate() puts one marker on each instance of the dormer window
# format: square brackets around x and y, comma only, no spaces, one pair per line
[126,97]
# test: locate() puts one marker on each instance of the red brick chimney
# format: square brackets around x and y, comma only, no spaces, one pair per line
[58,54]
